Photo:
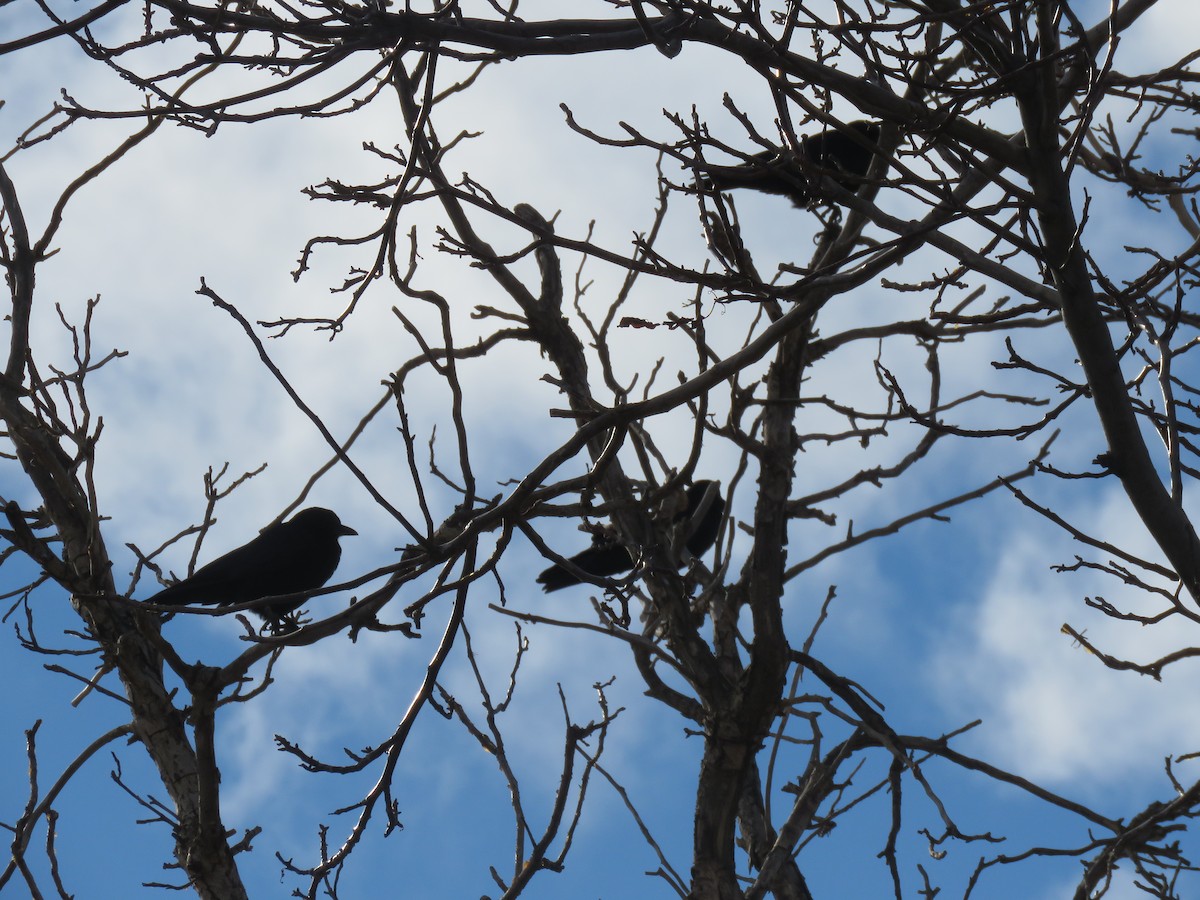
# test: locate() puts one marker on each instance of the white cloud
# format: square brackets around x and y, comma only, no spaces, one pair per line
[1051,710]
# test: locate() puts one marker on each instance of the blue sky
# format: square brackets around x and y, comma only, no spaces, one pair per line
[944,623]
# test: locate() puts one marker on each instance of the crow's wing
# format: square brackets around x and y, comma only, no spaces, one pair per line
[598,560]
[706,509]
[768,171]
[840,151]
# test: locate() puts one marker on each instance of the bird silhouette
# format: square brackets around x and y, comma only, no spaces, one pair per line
[699,520]
[290,557]
[840,152]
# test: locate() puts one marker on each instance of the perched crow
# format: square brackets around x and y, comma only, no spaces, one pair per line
[294,556]
[700,520]
[776,172]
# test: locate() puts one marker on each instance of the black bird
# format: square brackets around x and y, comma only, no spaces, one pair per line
[700,521]
[298,555]
[778,172]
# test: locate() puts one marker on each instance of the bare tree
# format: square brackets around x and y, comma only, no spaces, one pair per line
[969,233]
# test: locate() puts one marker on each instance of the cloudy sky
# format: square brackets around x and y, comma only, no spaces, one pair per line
[944,624]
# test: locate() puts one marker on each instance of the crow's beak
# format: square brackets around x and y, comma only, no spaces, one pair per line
[346,529]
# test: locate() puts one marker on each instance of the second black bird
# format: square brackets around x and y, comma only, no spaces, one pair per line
[290,557]
[701,517]
[844,155]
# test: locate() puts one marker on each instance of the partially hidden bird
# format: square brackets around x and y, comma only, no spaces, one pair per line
[700,521]
[289,557]
[842,153]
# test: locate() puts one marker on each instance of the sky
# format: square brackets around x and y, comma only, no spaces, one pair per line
[944,624]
